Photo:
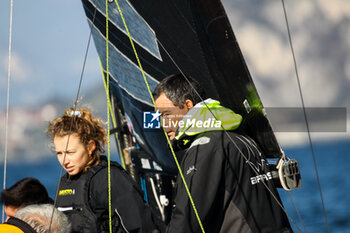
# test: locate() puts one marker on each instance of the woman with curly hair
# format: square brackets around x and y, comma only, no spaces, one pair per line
[79,141]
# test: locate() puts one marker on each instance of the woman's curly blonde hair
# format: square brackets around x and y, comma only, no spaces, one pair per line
[82,123]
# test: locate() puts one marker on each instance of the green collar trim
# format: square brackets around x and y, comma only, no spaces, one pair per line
[208,115]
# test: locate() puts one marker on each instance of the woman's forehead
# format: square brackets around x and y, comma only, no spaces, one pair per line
[72,140]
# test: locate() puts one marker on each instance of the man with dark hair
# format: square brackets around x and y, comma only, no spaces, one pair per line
[187,88]
[226,173]
[187,93]
[25,192]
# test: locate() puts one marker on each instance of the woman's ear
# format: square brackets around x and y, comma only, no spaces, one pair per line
[188,104]
[91,146]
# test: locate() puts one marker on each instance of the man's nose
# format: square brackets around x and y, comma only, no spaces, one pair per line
[66,161]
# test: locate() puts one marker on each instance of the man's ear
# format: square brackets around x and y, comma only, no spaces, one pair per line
[188,104]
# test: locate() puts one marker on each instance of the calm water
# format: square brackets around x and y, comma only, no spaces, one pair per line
[333,165]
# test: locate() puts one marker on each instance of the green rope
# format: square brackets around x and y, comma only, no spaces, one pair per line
[108,125]
[168,140]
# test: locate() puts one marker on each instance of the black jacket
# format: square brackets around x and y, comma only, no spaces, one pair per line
[85,200]
[228,194]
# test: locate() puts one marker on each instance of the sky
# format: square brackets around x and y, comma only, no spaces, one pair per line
[48,46]
[50,37]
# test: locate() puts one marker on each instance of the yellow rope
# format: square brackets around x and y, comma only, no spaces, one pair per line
[133,47]
[113,117]
[171,148]
[108,125]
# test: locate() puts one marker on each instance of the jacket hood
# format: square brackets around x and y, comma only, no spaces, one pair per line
[208,115]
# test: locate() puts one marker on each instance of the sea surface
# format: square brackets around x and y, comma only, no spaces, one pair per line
[333,164]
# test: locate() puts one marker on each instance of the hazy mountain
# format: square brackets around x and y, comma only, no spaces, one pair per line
[319,31]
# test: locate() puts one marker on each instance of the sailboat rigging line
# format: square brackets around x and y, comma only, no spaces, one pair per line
[193,63]
[305,115]
[7,104]
[230,138]
[182,16]
[150,92]
[113,117]
[108,125]
[296,210]
[70,128]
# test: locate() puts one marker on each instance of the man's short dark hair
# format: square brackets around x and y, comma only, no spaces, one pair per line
[179,88]
[25,192]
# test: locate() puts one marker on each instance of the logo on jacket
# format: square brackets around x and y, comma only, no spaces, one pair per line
[260,178]
[66,192]
[151,120]
[200,141]
[190,169]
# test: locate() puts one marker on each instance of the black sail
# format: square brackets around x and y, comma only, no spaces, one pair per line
[173,36]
